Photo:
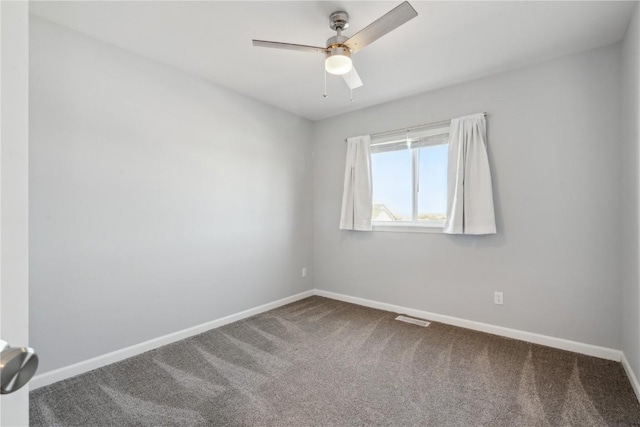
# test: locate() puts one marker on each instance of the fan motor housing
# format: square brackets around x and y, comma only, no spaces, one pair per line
[336,41]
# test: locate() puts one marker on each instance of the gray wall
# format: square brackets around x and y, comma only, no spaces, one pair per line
[630,189]
[554,149]
[158,201]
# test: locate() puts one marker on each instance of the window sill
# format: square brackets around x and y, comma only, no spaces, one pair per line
[408,228]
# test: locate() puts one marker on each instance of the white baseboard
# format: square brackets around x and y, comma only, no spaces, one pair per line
[63,373]
[577,347]
[632,377]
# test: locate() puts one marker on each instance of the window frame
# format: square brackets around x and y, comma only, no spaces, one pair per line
[413,226]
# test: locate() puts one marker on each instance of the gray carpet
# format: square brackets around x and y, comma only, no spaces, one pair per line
[328,363]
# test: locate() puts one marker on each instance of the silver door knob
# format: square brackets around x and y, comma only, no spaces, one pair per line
[17,366]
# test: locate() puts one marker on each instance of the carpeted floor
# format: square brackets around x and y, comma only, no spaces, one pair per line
[328,363]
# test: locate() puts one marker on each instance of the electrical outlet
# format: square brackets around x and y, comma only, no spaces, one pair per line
[497,298]
[304,271]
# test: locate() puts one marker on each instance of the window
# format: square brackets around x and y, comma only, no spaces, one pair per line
[409,173]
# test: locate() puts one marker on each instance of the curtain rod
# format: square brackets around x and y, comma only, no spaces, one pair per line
[442,122]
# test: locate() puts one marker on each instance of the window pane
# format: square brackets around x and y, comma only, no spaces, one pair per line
[432,195]
[391,174]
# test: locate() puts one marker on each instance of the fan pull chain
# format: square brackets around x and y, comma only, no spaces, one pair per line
[325,85]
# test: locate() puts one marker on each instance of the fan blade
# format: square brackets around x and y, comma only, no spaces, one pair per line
[383,25]
[352,79]
[289,46]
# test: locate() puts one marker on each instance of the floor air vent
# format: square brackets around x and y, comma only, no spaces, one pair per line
[412,321]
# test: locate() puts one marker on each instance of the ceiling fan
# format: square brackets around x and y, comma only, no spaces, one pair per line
[339,48]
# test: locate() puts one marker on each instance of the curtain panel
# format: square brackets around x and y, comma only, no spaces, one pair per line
[470,196]
[357,194]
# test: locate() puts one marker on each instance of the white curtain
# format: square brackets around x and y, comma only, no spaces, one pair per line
[469,196]
[357,195]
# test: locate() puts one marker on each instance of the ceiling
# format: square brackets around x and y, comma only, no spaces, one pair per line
[448,42]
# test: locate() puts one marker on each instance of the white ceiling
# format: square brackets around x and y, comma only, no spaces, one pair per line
[448,42]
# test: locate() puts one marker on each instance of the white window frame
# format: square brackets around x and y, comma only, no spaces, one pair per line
[413,226]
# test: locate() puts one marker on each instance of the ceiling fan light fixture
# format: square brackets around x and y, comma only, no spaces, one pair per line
[338,61]
[339,48]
